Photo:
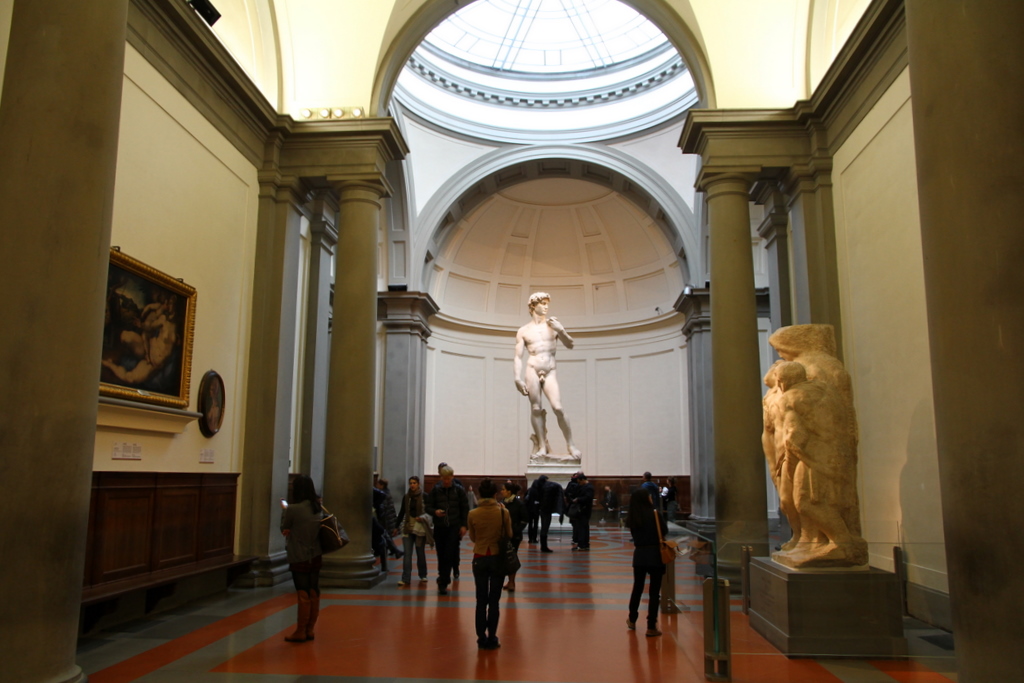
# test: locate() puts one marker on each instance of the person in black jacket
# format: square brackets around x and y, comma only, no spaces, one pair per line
[550,503]
[643,524]
[584,499]
[508,497]
[568,498]
[532,504]
[448,504]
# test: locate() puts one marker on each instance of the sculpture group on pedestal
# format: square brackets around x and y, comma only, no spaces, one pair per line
[537,340]
[810,442]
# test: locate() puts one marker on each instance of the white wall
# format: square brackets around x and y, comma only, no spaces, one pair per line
[185,203]
[625,395]
[886,339]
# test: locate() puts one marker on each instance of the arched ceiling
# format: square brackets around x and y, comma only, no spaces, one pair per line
[605,262]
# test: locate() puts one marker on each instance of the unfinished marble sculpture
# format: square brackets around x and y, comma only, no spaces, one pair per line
[810,441]
[538,340]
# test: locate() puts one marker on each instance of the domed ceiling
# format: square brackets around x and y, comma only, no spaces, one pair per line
[604,261]
[546,70]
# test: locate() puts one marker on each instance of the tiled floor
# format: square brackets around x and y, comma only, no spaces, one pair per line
[566,622]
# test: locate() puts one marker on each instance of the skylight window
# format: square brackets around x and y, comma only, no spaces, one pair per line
[567,70]
[546,36]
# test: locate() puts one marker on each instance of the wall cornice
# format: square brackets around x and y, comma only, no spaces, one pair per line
[181,47]
[872,58]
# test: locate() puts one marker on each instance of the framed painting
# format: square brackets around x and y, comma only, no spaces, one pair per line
[210,403]
[147,334]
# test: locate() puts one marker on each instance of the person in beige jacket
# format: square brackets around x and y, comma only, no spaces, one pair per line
[488,524]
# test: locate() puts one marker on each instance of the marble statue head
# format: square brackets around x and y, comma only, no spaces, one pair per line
[537,297]
[791,341]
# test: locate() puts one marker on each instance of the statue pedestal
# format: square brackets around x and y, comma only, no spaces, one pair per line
[559,468]
[815,613]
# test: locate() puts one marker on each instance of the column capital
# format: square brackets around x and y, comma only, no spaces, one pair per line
[775,224]
[283,188]
[695,304]
[406,312]
[323,224]
[717,182]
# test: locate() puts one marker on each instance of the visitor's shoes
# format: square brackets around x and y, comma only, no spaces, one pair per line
[546,550]
[442,590]
[455,574]
[584,548]
[423,579]
[652,632]
[631,625]
[401,583]
[493,643]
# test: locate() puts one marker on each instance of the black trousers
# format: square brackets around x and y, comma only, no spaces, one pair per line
[545,524]
[446,540]
[488,580]
[532,525]
[654,597]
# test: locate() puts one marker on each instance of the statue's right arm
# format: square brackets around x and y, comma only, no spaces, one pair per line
[517,363]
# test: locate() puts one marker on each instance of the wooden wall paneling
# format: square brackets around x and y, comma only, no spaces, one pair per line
[124,519]
[175,520]
[90,534]
[217,515]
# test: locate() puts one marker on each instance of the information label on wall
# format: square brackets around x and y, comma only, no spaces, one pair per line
[127,451]
[206,455]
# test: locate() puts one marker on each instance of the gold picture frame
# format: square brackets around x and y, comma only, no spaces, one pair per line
[147,334]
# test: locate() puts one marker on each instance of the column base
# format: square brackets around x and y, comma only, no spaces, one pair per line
[268,570]
[808,613]
[350,572]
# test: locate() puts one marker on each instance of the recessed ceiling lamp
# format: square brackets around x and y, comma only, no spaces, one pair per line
[357,112]
[306,113]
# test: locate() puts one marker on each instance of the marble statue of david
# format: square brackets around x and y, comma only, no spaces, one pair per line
[537,341]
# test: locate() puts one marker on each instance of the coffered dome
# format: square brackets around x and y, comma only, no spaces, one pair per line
[605,262]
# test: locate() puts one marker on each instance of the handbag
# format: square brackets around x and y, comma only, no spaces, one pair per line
[667,548]
[508,557]
[332,535]
[574,511]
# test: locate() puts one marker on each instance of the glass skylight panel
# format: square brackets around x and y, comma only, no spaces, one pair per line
[546,36]
[546,70]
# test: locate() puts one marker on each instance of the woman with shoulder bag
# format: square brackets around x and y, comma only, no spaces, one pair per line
[643,523]
[300,524]
[489,524]
[413,522]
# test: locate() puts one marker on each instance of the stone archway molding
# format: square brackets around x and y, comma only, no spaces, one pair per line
[503,168]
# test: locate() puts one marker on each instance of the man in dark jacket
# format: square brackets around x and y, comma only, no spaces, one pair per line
[448,504]
[585,500]
[532,503]
[569,497]
[550,503]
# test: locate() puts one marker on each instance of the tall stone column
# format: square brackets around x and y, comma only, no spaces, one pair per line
[774,230]
[324,238]
[695,304]
[59,121]
[268,422]
[968,104]
[405,316]
[351,392]
[813,234]
[740,495]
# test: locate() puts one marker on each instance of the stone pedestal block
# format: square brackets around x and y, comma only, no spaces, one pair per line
[840,613]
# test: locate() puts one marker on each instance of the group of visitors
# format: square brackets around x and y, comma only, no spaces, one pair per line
[444,516]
